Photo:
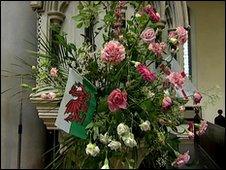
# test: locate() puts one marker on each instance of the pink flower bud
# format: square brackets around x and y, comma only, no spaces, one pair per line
[152,13]
[197,97]
[166,102]
[147,74]
[53,72]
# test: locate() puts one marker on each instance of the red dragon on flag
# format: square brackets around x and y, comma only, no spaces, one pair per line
[77,105]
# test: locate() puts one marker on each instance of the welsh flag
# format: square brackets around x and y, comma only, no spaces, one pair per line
[77,106]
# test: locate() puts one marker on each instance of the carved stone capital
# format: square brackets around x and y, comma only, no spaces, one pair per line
[56,17]
[36,5]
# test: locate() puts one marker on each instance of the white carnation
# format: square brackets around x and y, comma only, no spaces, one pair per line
[114,145]
[145,126]
[129,140]
[122,129]
[92,149]
[105,139]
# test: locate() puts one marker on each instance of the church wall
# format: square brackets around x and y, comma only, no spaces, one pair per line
[208,51]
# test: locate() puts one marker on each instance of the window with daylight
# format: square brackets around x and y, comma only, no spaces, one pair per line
[187,53]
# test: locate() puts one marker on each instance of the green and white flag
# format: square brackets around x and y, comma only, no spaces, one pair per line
[77,106]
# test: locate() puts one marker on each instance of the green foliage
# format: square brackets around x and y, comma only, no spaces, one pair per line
[88,12]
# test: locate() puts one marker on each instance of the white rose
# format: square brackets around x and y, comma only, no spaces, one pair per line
[106,165]
[122,129]
[92,149]
[129,140]
[105,139]
[145,126]
[114,145]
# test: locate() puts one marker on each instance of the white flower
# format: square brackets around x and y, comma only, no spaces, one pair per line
[122,129]
[105,139]
[106,165]
[92,149]
[173,40]
[145,126]
[137,64]
[137,15]
[166,93]
[150,94]
[129,140]
[114,145]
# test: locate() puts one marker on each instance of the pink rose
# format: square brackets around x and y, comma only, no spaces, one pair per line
[117,100]
[166,102]
[148,35]
[181,160]
[53,72]
[113,52]
[146,73]
[182,34]
[202,128]
[176,79]
[152,13]
[197,97]
[157,48]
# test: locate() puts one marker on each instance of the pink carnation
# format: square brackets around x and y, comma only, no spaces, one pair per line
[202,128]
[176,79]
[157,48]
[117,100]
[166,102]
[181,160]
[197,97]
[148,35]
[182,34]
[53,72]
[113,52]
[152,13]
[146,73]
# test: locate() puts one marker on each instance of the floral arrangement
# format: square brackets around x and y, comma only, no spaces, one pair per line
[136,97]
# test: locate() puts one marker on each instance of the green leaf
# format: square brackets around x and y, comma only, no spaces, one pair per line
[77,18]
[130,22]
[90,125]
[79,25]
[96,132]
